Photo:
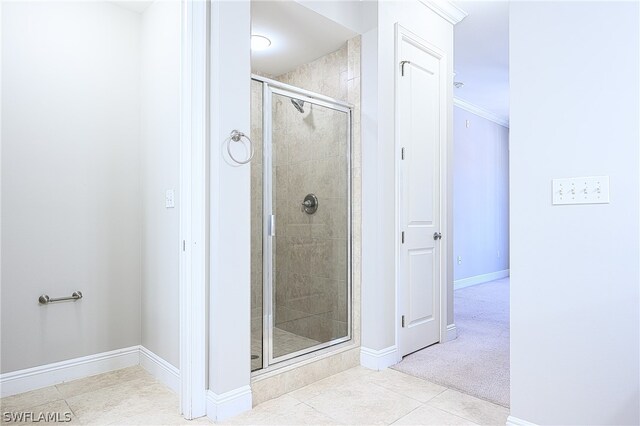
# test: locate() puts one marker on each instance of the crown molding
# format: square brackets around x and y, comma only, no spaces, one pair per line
[446,9]
[481,112]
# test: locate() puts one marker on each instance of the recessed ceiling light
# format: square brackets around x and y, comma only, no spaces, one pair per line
[458,84]
[259,42]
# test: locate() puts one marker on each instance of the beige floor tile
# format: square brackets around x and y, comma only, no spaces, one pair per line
[470,408]
[30,399]
[89,384]
[118,404]
[356,396]
[363,403]
[59,409]
[353,375]
[284,410]
[199,421]
[169,415]
[413,387]
[279,404]
[427,415]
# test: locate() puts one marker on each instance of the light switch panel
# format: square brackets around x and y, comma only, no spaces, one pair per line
[169,199]
[581,190]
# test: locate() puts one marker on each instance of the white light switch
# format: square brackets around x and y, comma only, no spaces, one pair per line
[581,190]
[169,199]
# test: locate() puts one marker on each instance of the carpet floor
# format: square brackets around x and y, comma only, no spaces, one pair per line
[477,362]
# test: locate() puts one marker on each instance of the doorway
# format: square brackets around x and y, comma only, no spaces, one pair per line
[473,355]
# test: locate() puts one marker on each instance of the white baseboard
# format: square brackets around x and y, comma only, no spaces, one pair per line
[452,333]
[52,374]
[163,371]
[378,359]
[514,421]
[480,279]
[42,376]
[224,406]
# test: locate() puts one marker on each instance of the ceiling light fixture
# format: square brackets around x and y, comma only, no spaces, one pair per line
[458,84]
[259,42]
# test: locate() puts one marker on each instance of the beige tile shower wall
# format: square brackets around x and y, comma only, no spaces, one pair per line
[353,96]
[256,224]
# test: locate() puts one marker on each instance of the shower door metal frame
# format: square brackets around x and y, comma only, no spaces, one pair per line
[270,87]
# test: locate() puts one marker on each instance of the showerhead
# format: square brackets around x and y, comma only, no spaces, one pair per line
[298,104]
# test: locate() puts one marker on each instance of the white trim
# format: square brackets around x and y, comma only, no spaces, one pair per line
[193,210]
[163,371]
[446,9]
[229,404]
[29,379]
[514,421]
[379,360]
[480,279]
[480,112]
[452,333]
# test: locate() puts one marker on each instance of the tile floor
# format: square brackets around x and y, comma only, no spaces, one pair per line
[357,396]
[124,397]
[366,397]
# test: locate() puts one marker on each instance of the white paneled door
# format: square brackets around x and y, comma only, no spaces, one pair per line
[419,131]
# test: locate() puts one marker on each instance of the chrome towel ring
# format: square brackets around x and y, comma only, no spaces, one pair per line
[237,136]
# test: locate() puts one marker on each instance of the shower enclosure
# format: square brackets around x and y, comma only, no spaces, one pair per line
[301,222]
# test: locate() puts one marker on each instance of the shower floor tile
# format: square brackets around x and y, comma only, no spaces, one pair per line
[284,343]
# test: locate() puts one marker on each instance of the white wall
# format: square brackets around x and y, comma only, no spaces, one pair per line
[480,195]
[359,16]
[574,269]
[230,219]
[160,168]
[70,180]
[90,144]
[378,288]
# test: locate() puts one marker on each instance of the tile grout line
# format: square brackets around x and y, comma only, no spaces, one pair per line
[321,413]
[325,415]
[406,414]
[71,409]
[453,388]
[457,414]
[445,388]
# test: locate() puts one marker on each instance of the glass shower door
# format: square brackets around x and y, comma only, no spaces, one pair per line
[307,223]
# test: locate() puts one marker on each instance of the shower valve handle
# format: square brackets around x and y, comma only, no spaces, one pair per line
[310,204]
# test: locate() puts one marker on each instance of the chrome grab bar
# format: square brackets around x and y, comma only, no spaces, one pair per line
[45,299]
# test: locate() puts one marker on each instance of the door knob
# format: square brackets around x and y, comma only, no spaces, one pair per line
[437,236]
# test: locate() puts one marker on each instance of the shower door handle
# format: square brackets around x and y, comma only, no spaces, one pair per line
[272,225]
